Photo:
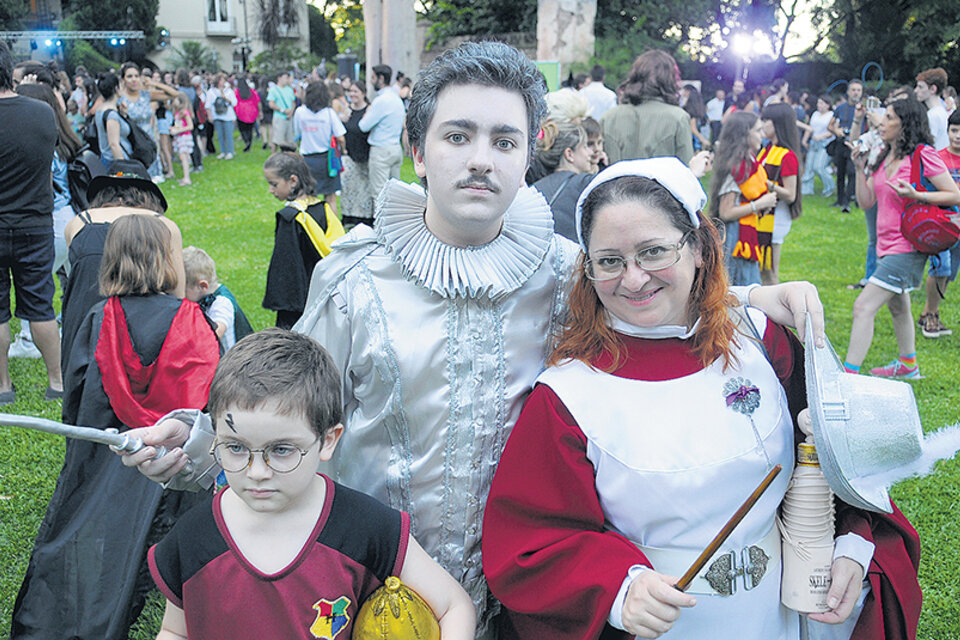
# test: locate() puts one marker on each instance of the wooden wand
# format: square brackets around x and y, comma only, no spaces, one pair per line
[727,529]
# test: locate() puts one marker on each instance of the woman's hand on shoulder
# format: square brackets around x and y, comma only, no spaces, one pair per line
[788,303]
[846,577]
[653,604]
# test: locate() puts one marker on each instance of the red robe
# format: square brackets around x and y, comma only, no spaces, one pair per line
[549,559]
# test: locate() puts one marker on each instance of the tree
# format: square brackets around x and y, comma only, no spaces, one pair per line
[279,58]
[81,53]
[11,14]
[465,17]
[115,14]
[193,55]
[274,17]
[345,17]
[904,38]
[323,40]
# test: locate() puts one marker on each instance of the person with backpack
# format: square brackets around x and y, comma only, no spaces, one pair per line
[220,101]
[317,126]
[136,93]
[887,183]
[562,151]
[113,131]
[304,230]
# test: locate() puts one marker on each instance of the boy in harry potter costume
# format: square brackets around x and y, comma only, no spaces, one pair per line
[440,316]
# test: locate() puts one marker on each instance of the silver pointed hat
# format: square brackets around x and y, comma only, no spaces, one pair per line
[863,428]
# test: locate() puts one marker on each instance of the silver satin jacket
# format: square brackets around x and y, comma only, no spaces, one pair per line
[438,347]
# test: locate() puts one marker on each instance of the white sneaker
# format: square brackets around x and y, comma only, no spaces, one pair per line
[220,156]
[158,179]
[23,348]
[229,156]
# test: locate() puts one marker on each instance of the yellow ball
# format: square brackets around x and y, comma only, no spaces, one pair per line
[395,612]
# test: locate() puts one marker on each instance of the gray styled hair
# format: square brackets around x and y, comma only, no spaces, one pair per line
[491,64]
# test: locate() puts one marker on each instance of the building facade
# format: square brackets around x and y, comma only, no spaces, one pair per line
[223,26]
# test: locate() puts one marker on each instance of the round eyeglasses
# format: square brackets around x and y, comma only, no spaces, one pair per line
[652,258]
[281,457]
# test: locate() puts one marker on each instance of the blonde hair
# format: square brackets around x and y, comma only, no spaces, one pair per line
[198,265]
[567,104]
[137,258]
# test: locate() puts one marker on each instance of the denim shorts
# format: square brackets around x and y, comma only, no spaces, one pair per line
[899,272]
[946,263]
[28,254]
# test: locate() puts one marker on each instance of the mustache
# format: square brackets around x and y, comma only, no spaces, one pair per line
[478,182]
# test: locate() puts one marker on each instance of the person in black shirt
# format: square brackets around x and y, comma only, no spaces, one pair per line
[840,127]
[27,140]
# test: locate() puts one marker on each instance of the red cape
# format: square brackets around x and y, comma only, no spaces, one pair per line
[180,376]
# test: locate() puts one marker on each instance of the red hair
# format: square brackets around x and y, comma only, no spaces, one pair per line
[588,337]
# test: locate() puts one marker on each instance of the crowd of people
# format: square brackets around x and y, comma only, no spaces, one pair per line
[560,257]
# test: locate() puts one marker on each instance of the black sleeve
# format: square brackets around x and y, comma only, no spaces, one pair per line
[85,403]
[188,547]
[367,531]
[75,370]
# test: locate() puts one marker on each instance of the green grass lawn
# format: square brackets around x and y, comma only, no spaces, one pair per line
[229,213]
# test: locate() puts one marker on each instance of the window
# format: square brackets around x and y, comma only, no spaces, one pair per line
[217,11]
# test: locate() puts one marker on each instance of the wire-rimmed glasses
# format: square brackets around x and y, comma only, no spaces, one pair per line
[282,457]
[653,258]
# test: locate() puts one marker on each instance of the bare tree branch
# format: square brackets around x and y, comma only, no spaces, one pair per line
[791,17]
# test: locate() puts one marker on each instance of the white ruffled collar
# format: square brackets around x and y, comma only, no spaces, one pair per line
[652,333]
[499,267]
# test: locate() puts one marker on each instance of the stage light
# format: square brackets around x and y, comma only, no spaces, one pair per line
[48,42]
[123,41]
[113,42]
[742,44]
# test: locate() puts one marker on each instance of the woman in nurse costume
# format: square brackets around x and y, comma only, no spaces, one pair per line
[663,407]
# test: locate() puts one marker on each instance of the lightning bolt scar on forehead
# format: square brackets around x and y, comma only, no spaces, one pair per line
[229,420]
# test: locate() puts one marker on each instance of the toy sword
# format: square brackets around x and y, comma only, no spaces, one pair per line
[118,441]
[198,475]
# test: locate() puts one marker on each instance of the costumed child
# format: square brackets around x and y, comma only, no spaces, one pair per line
[304,551]
[740,198]
[781,162]
[182,132]
[304,231]
[138,355]
[216,301]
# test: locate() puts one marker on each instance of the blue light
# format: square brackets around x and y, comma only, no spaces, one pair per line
[113,42]
[59,43]
[123,41]
[48,42]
